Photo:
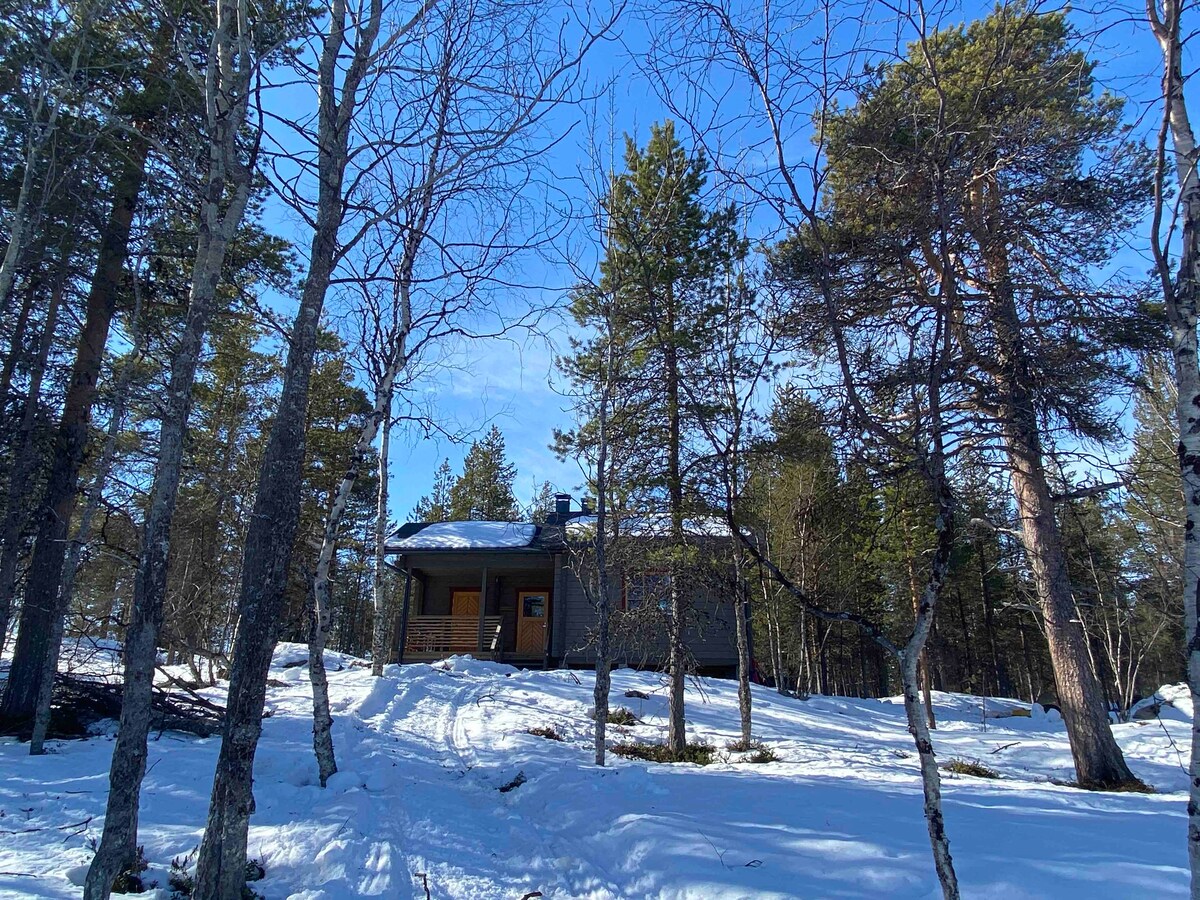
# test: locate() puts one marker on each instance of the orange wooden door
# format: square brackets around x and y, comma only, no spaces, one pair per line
[533,607]
[464,603]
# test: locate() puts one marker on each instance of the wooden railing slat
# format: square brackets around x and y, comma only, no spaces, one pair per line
[444,634]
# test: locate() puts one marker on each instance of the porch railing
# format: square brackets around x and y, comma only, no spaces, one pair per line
[451,634]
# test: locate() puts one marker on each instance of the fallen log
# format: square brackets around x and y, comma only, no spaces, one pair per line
[81,702]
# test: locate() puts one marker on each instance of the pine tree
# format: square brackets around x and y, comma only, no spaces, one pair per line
[988,158]
[484,491]
[435,507]
[667,257]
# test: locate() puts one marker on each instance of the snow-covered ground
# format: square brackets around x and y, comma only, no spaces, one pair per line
[425,750]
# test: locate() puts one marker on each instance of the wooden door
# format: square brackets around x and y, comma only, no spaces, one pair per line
[464,603]
[533,608]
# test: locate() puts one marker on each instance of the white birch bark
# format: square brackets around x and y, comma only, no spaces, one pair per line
[319,610]
[1181,293]
[379,631]
[224,196]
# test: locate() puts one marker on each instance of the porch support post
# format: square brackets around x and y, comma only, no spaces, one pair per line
[404,614]
[483,595]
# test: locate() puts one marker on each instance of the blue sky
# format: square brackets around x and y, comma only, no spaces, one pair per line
[511,382]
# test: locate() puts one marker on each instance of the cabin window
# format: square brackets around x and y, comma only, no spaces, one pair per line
[533,606]
[648,588]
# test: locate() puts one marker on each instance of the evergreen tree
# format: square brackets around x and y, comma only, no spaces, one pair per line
[988,161]
[484,491]
[668,258]
[435,507]
[541,504]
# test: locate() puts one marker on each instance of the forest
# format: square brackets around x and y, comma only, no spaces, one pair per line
[901,299]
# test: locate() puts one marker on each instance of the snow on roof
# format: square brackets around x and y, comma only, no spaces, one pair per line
[467,536]
[653,526]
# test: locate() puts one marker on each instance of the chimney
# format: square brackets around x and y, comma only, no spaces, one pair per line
[585,504]
[562,504]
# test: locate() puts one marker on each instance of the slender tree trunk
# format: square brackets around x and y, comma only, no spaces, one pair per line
[118,845]
[319,612]
[41,719]
[379,630]
[676,643]
[221,862]
[741,606]
[1182,295]
[35,651]
[923,662]
[25,463]
[16,342]
[1000,676]
[603,600]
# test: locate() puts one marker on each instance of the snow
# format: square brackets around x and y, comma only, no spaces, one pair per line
[424,750]
[467,536]
[1171,701]
[653,526]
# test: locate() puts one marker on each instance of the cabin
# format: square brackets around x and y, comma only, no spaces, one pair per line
[509,591]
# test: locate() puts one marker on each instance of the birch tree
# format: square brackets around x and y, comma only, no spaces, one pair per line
[540,73]
[1175,241]
[226,80]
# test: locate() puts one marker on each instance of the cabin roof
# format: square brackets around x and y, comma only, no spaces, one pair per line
[471,535]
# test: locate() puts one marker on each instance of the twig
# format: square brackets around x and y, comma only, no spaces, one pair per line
[1005,747]
[720,855]
[82,824]
[1174,746]
[424,883]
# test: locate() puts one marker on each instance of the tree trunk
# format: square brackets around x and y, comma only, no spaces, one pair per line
[25,463]
[318,635]
[1000,682]
[221,860]
[676,643]
[603,600]
[1098,759]
[379,630]
[118,845]
[923,661]
[1182,296]
[931,781]
[741,606]
[319,612]
[35,651]
[41,720]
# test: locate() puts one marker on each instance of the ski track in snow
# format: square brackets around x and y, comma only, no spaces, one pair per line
[424,750]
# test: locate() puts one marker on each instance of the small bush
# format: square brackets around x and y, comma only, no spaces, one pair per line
[762,755]
[546,732]
[757,750]
[130,881]
[969,767]
[700,754]
[621,716]
[255,870]
[740,746]
[179,880]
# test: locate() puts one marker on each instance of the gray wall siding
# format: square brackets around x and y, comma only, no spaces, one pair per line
[711,639]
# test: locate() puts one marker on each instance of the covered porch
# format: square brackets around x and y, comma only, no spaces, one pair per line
[496,605]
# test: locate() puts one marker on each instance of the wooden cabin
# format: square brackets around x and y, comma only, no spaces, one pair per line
[509,591]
